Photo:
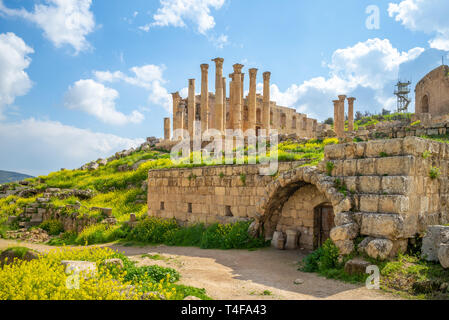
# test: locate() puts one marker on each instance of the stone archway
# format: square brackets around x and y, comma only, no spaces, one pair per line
[278,193]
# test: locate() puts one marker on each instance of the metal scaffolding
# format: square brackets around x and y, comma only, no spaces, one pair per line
[402,93]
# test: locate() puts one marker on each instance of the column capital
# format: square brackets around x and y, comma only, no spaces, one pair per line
[175,94]
[191,81]
[204,67]
[218,61]
[266,75]
[253,72]
[342,97]
[351,99]
[336,102]
[238,67]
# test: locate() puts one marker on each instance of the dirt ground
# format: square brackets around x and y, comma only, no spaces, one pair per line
[241,274]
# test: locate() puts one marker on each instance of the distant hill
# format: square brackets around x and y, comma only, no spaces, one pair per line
[7,176]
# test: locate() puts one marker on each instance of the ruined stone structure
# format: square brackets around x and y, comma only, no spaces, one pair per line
[255,111]
[381,190]
[339,115]
[432,93]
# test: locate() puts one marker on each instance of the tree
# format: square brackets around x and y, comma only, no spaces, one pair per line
[385,112]
[329,121]
[358,115]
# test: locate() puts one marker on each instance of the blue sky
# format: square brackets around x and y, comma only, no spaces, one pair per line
[83,79]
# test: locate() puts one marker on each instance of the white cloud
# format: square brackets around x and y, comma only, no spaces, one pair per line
[427,16]
[14,59]
[181,13]
[176,12]
[54,146]
[63,21]
[372,66]
[96,99]
[150,77]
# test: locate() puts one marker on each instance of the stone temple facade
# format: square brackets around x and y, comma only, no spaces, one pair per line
[228,108]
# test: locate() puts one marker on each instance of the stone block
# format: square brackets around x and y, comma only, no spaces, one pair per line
[382,225]
[434,237]
[356,266]
[379,248]
[292,239]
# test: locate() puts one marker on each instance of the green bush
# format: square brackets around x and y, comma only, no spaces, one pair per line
[155,273]
[322,259]
[152,230]
[229,236]
[53,227]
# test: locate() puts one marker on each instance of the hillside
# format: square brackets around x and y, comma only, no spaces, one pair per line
[8,176]
[117,183]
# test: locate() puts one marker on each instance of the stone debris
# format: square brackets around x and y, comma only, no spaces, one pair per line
[36,235]
[356,266]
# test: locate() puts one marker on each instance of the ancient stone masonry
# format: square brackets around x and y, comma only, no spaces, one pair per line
[432,93]
[380,189]
[255,111]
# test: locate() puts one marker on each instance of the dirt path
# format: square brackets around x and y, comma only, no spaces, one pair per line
[242,274]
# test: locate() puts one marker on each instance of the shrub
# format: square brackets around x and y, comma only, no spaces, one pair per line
[329,167]
[434,173]
[53,227]
[322,259]
[152,230]
[155,273]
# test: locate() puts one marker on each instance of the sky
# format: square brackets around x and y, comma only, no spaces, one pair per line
[83,79]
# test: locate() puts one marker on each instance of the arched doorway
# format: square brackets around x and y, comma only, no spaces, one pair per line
[425,104]
[323,222]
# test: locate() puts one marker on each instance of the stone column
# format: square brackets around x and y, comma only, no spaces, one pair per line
[336,117]
[191,107]
[341,113]
[351,113]
[204,97]
[237,97]
[266,102]
[176,119]
[225,105]
[167,129]
[218,116]
[252,102]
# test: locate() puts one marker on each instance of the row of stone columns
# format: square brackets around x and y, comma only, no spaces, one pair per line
[236,101]
[339,115]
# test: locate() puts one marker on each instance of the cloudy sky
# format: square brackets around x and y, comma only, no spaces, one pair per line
[82,79]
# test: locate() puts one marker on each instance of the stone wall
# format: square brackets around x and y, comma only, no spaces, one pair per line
[380,189]
[211,194]
[432,92]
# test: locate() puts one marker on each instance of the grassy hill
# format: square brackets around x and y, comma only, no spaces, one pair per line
[8,176]
[119,183]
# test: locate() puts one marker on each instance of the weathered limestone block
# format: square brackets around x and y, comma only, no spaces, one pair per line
[382,225]
[343,218]
[366,167]
[379,248]
[278,240]
[393,204]
[356,266]
[369,184]
[345,247]
[396,184]
[435,236]
[292,239]
[443,255]
[394,166]
[115,262]
[335,151]
[345,232]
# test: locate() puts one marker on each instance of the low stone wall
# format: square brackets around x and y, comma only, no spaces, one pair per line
[208,195]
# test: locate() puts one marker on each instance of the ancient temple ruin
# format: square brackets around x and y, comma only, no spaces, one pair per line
[220,112]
